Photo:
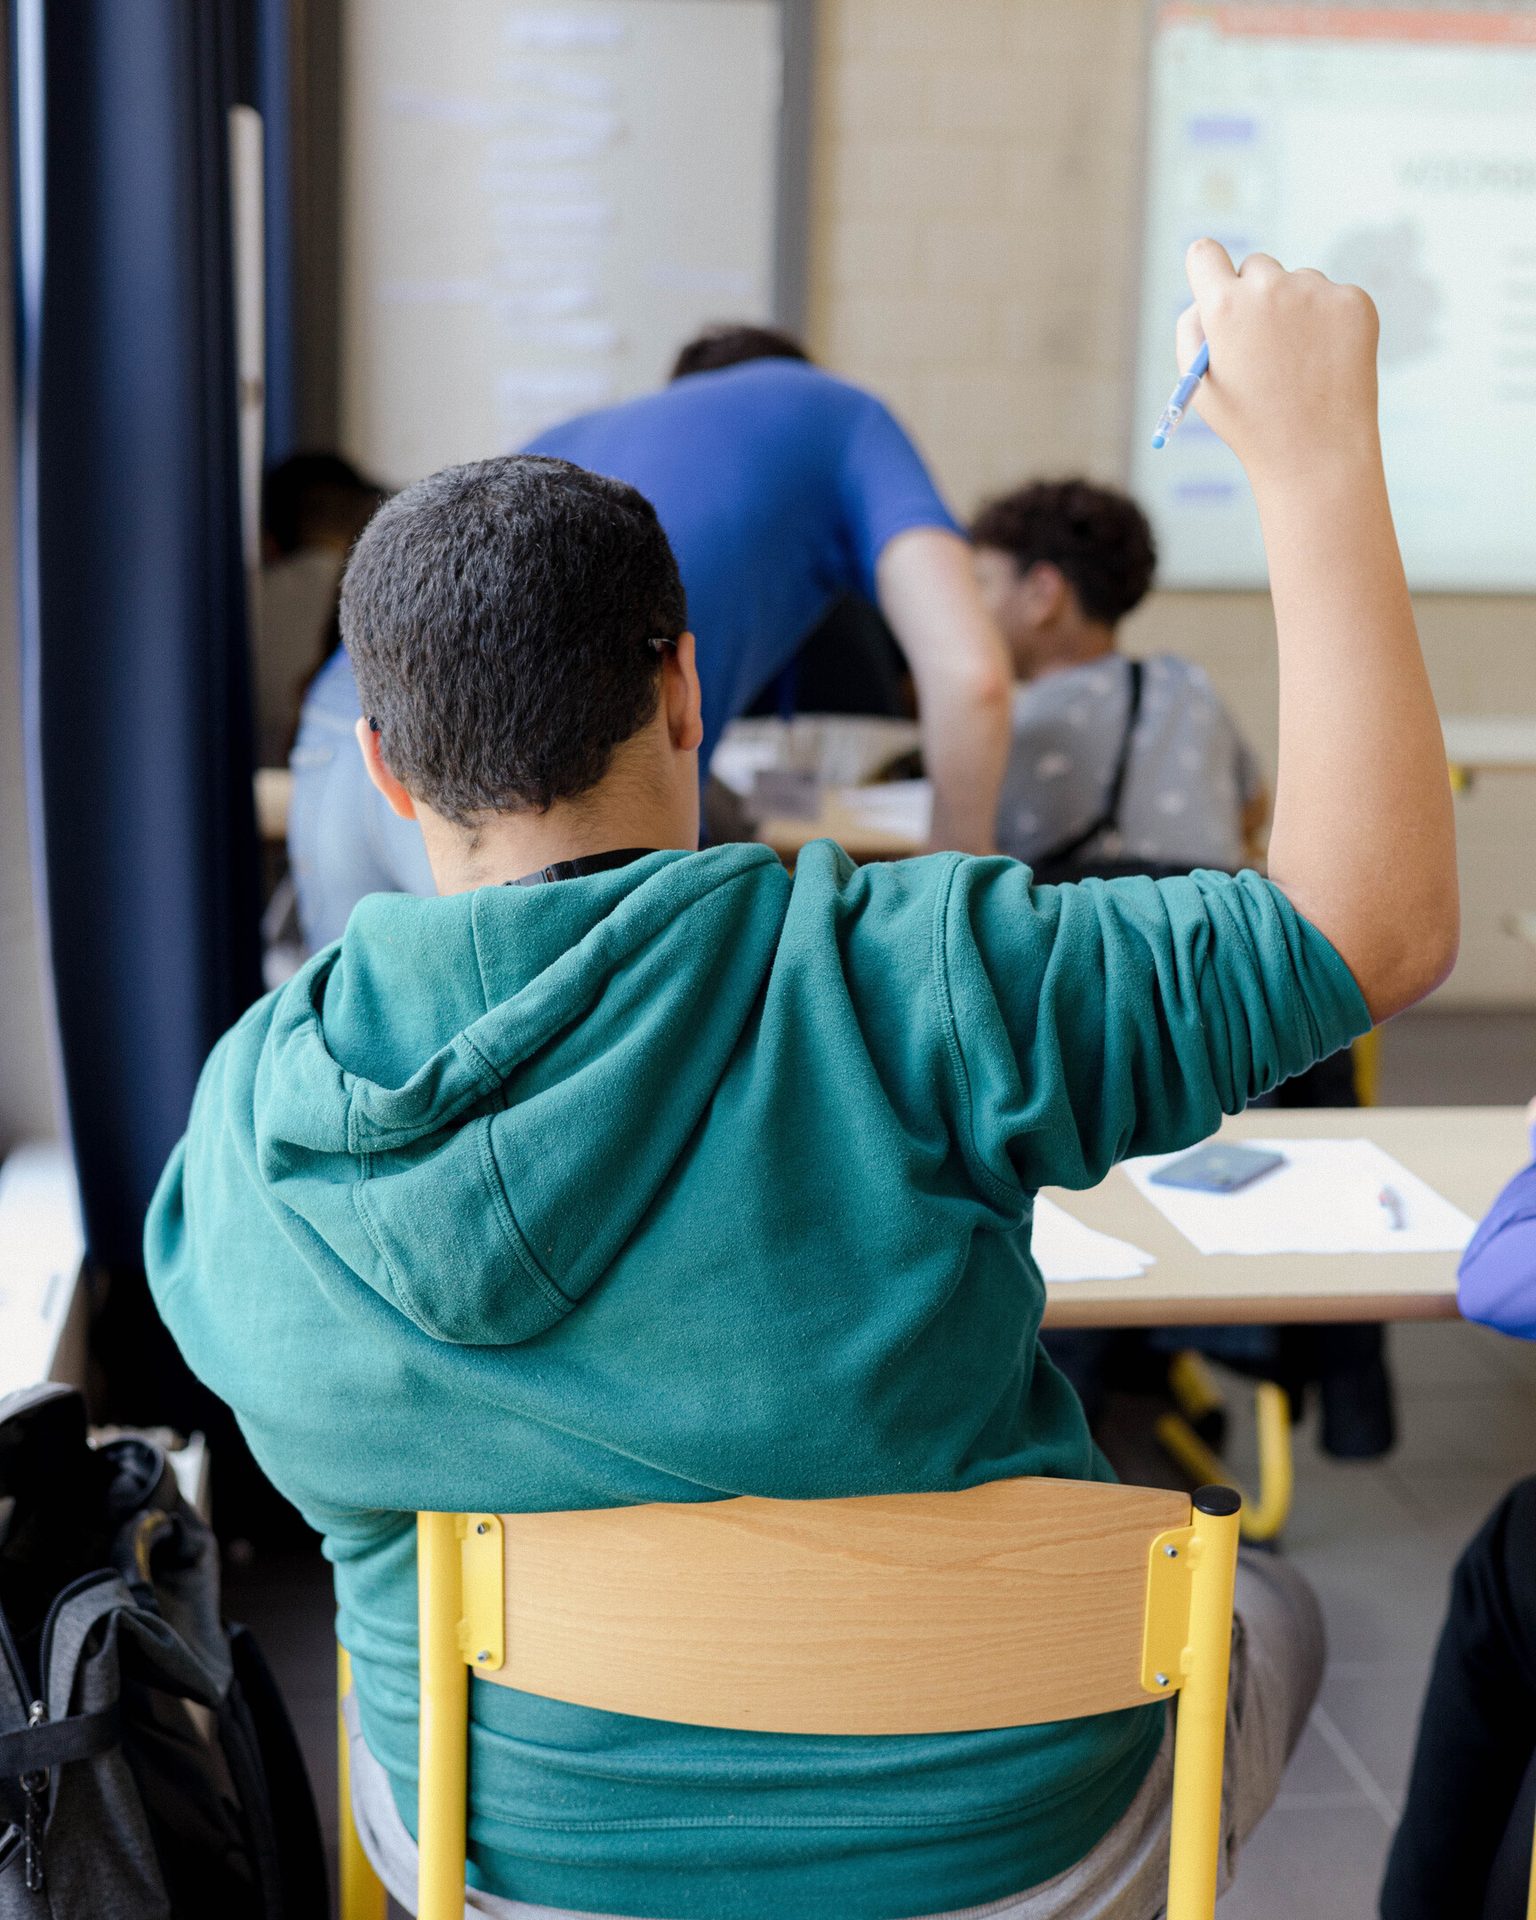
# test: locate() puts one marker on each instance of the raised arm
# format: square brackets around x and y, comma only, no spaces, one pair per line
[928,594]
[1363,842]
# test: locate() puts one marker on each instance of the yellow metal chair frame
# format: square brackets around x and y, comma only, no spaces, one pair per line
[1012,1604]
[1264,1515]
[361,1891]
[1530,1904]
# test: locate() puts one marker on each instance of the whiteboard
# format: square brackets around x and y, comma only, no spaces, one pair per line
[540,204]
[1394,147]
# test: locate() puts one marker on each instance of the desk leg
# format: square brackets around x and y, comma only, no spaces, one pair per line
[1367,1058]
[1264,1518]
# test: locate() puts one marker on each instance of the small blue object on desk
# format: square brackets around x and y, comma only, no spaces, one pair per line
[1183,393]
[1219,1166]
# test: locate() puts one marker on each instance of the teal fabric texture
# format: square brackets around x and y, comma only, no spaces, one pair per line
[687,1180]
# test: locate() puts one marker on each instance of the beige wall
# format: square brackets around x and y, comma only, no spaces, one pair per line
[976,208]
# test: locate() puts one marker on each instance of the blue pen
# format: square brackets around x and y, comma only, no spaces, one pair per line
[1183,393]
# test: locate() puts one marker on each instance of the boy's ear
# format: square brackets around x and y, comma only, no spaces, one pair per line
[1045,589]
[373,759]
[682,694]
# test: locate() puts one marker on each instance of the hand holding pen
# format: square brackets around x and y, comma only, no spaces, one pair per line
[1183,393]
[1282,366]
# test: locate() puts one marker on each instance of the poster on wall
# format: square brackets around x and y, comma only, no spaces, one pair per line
[540,204]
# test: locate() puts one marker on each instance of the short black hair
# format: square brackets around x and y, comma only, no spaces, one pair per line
[730,343]
[311,497]
[499,619]
[1100,539]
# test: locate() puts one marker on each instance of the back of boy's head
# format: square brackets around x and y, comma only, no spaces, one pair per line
[1098,539]
[732,343]
[499,618]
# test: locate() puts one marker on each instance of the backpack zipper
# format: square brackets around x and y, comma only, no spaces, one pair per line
[34,1787]
[50,1620]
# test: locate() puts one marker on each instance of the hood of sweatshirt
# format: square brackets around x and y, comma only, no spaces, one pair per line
[474,1101]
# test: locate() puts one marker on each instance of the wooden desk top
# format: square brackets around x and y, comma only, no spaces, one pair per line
[1465,1153]
[274,789]
[1490,742]
[43,1306]
[841,819]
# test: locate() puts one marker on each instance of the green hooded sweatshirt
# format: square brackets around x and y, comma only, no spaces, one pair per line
[693,1179]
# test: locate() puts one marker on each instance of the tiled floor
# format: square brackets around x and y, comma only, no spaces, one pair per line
[1377,1541]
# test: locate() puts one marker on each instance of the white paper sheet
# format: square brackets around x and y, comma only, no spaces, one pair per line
[895,806]
[1323,1200]
[1065,1249]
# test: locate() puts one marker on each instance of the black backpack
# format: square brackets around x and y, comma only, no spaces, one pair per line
[148,1770]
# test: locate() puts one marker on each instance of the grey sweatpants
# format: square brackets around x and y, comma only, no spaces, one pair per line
[1277,1667]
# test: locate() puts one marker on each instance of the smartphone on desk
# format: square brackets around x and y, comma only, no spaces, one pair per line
[1219,1166]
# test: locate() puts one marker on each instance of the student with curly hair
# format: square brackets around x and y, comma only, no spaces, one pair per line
[1061,563]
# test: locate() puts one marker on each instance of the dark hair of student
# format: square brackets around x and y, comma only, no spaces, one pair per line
[312,498]
[499,619]
[1098,538]
[729,343]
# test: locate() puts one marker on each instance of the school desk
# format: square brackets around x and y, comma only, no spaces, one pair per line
[1488,743]
[838,818]
[43,1303]
[274,791]
[1465,1153]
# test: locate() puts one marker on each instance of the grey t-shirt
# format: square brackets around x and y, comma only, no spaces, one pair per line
[1190,774]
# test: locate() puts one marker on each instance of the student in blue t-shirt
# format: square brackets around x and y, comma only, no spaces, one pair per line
[781,489]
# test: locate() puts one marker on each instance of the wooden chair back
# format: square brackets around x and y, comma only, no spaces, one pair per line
[1001,1606]
[1012,1604]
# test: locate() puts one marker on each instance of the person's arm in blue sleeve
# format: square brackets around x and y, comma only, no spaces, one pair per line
[913,562]
[1496,1283]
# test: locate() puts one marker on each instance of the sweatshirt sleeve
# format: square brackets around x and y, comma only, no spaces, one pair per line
[1497,1278]
[1092,1022]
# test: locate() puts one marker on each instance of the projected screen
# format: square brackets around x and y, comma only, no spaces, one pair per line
[1391,146]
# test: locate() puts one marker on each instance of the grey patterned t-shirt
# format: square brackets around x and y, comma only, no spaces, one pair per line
[1190,775]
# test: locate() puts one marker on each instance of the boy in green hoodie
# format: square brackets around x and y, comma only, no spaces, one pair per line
[622,1172]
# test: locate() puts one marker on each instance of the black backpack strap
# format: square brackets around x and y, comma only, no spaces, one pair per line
[1108,817]
[1123,764]
[54,1743]
[267,1766]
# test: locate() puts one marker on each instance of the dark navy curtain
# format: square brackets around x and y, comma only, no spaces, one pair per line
[274,42]
[134,639]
